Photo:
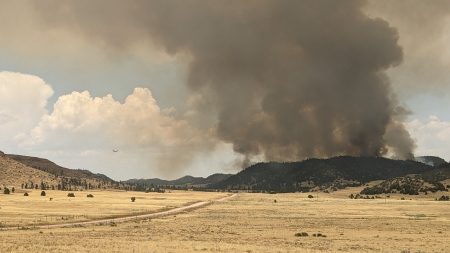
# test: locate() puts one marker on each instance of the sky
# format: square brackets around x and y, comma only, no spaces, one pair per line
[193,88]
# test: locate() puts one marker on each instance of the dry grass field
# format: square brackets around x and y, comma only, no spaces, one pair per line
[22,211]
[248,223]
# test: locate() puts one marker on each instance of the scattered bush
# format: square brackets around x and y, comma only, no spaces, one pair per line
[310,196]
[319,235]
[90,196]
[302,234]
[43,193]
[25,194]
[71,195]
[13,190]
[133,199]
[274,201]
[6,191]
[444,198]
[351,196]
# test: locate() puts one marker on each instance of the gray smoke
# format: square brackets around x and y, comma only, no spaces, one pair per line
[286,79]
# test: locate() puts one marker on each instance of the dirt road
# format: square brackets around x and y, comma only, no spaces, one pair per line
[129,218]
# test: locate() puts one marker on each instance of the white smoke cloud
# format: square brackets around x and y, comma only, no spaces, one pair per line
[23,100]
[92,126]
[138,120]
[82,130]
[432,136]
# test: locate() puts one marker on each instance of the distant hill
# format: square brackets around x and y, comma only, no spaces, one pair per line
[54,169]
[187,180]
[18,170]
[13,173]
[312,174]
[430,160]
[412,185]
[439,173]
[334,172]
[183,181]
[429,181]
[216,178]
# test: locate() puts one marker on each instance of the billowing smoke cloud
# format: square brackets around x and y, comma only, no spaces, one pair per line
[285,79]
[423,30]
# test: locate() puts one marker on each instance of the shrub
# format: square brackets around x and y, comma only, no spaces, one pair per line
[444,198]
[43,193]
[25,194]
[71,195]
[302,234]
[90,196]
[310,196]
[133,199]
[13,190]
[6,191]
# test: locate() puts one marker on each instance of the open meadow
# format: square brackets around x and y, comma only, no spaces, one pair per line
[56,207]
[250,222]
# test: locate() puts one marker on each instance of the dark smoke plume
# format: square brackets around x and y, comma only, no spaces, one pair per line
[286,79]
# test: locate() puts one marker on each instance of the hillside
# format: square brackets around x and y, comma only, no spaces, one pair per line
[216,178]
[430,160]
[337,172]
[13,173]
[412,185]
[439,173]
[17,170]
[183,181]
[54,169]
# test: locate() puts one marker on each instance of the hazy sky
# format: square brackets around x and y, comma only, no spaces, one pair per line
[158,81]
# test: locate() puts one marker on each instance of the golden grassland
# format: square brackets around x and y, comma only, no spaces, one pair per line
[57,207]
[247,223]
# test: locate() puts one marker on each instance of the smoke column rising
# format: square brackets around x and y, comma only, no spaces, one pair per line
[285,79]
